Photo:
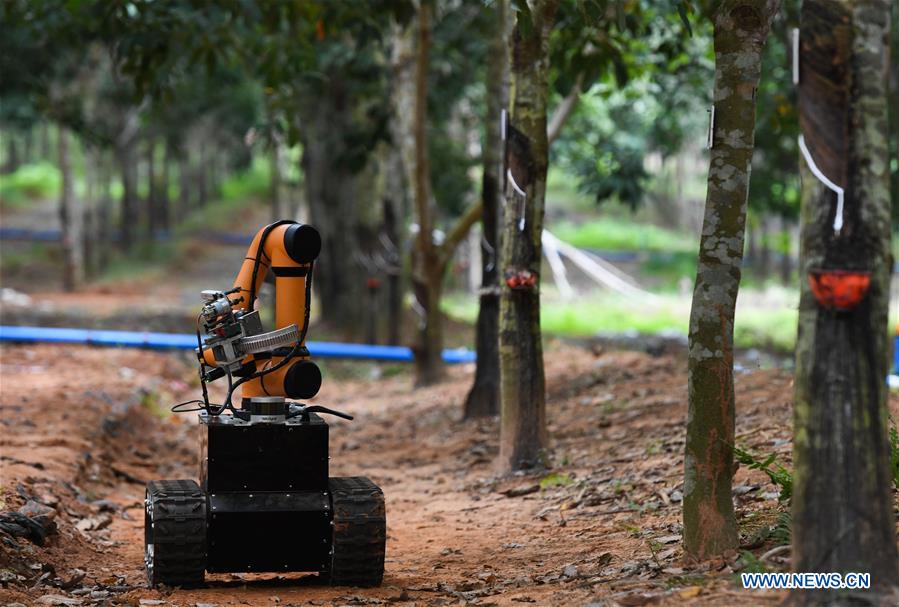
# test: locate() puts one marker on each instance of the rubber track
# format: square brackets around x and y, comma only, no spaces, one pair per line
[178,534]
[360,532]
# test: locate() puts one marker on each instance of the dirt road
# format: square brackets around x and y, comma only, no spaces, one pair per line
[83,428]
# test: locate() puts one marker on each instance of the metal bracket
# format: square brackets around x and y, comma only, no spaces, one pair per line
[838,217]
[795,55]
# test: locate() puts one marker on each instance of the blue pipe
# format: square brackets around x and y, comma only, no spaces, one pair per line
[186,341]
[896,354]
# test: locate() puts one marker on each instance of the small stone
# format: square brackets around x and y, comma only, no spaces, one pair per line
[570,571]
[143,602]
[33,508]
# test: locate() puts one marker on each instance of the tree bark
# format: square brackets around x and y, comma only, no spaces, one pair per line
[394,271]
[842,508]
[152,211]
[427,267]
[163,201]
[483,398]
[13,160]
[331,194]
[70,217]
[104,229]
[523,433]
[740,30]
[128,214]
[563,112]
[276,181]
[184,189]
[763,268]
[786,259]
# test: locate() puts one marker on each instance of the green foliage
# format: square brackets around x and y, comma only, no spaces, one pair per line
[251,183]
[30,182]
[779,476]
[751,563]
[775,162]
[780,533]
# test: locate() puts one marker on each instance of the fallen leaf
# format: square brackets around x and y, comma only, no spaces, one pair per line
[690,592]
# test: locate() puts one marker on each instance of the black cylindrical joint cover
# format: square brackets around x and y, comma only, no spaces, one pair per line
[303,380]
[302,242]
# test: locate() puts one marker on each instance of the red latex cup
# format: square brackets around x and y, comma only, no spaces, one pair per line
[839,289]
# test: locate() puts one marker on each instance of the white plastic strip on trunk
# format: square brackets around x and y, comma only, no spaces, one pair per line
[557,266]
[795,55]
[593,269]
[522,199]
[838,217]
[710,142]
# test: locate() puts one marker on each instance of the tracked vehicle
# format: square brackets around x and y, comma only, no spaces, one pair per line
[264,501]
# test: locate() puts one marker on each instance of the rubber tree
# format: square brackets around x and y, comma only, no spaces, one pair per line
[483,398]
[740,30]
[429,259]
[842,501]
[70,217]
[523,433]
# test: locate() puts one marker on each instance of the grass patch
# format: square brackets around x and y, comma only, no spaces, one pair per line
[769,326]
[555,480]
[623,235]
[30,182]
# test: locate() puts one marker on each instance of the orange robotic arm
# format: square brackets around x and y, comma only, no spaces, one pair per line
[288,249]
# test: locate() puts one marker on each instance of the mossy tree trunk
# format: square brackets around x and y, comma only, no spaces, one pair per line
[741,28]
[523,434]
[483,398]
[842,509]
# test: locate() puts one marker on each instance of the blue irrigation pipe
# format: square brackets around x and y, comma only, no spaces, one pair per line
[186,341]
[896,354]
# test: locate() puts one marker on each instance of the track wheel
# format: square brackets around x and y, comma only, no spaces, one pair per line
[175,533]
[360,532]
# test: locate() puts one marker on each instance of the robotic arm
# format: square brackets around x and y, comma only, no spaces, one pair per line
[273,364]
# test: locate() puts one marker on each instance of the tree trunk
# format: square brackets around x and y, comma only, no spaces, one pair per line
[202,176]
[394,271]
[89,242]
[12,153]
[427,267]
[163,203]
[752,245]
[45,150]
[523,433]
[104,224]
[331,194]
[276,181]
[483,398]
[786,259]
[184,189]
[763,268]
[128,214]
[842,504]
[741,28]
[69,218]
[152,212]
